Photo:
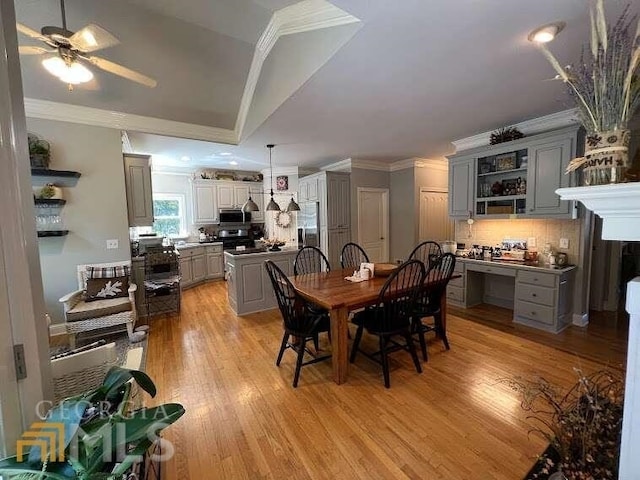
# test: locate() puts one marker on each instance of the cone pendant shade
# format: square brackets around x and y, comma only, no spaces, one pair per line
[272,206]
[293,206]
[250,206]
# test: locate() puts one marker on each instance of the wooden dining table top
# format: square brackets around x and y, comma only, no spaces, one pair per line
[331,291]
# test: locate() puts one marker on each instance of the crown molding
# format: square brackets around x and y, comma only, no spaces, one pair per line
[301,17]
[528,127]
[126,142]
[66,112]
[370,165]
[415,162]
[341,166]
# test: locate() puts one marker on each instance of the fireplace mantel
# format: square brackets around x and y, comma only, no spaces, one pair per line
[618,205]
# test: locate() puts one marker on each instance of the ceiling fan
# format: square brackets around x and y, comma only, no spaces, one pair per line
[67,52]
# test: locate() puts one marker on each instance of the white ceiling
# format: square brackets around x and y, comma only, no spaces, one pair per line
[416,74]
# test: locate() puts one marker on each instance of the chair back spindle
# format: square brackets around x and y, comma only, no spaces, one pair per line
[310,260]
[353,255]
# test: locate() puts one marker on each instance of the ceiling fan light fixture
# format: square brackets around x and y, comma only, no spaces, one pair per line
[546,33]
[76,73]
[55,66]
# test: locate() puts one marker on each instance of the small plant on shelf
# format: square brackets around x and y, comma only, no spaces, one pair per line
[39,152]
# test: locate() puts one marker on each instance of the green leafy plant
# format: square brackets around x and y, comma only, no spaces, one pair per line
[93,432]
[584,425]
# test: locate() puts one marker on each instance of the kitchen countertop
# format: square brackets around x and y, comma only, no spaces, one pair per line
[197,244]
[536,267]
[254,252]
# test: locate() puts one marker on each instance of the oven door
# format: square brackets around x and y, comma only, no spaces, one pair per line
[234,216]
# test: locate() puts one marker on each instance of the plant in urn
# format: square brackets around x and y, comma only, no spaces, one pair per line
[606,89]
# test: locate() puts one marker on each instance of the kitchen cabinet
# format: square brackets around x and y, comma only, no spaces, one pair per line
[461,180]
[137,175]
[215,263]
[517,178]
[338,200]
[205,208]
[199,267]
[232,196]
[137,273]
[308,189]
[337,239]
[258,197]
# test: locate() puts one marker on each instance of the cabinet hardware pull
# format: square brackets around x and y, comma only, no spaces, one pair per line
[533,313]
[534,295]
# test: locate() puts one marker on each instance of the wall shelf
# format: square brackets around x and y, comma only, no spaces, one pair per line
[47,172]
[52,233]
[61,178]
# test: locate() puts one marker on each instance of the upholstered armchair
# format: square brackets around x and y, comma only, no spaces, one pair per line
[111,306]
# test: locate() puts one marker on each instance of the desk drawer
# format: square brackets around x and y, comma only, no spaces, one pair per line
[457,282]
[537,278]
[492,269]
[535,294]
[533,311]
[455,294]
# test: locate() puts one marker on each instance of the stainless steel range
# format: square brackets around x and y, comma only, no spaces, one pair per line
[232,238]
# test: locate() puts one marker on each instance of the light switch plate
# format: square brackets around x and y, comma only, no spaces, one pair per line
[531,242]
[112,244]
[564,243]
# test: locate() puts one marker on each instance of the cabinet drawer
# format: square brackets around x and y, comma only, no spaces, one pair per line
[214,249]
[537,278]
[187,252]
[533,311]
[535,294]
[493,270]
[459,268]
[457,282]
[455,294]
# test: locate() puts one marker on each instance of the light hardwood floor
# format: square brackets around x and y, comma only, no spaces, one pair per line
[245,421]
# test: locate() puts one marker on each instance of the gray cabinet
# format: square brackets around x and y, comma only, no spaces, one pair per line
[515,178]
[547,164]
[461,182]
[199,263]
[205,202]
[137,175]
[338,200]
[337,239]
[199,266]
[215,263]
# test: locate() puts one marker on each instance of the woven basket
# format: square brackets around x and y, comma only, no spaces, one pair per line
[384,269]
[79,381]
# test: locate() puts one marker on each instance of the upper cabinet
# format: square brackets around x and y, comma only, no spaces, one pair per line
[205,208]
[308,189]
[461,178]
[338,200]
[137,174]
[516,178]
[232,196]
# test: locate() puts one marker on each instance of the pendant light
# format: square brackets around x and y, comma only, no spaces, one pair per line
[250,206]
[293,206]
[272,206]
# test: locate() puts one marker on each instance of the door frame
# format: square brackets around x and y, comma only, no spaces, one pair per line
[385,217]
[419,213]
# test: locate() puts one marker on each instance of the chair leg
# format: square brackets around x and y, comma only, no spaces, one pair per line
[423,342]
[283,347]
[316,342]
[440,330]
[296,376]
[385,361]
[356,344]
[412,351]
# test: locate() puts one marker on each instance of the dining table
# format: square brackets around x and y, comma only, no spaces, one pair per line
[333,292]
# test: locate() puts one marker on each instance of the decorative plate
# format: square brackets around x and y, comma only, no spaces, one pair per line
[283,219]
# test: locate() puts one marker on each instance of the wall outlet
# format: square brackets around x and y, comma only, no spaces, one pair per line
[531,242]
[564,243]
[112,244]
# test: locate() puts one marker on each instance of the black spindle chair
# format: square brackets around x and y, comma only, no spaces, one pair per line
[391,316]
[353,255]
[299,321]
[429,301]
[310,260]
[427,252]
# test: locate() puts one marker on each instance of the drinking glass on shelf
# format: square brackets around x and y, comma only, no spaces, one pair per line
[485,189]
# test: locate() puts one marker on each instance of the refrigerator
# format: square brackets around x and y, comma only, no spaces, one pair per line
[309,225]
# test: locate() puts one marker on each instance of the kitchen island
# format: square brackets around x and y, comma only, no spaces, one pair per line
[248,284]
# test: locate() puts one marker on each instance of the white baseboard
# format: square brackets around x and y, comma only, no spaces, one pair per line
[57,329]
[581,320]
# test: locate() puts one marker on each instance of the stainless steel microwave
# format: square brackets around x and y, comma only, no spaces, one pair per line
[233,216]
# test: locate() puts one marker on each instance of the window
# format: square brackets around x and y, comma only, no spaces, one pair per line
[169,215]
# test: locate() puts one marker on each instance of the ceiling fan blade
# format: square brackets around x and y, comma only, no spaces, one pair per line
[30,50]
[92,38]
[30,32]
[124,72]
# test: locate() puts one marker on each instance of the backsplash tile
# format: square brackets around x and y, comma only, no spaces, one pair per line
[492,232]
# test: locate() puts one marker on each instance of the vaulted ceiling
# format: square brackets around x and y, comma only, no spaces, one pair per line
[405,81]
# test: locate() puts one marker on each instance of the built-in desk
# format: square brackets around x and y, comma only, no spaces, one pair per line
[540,296]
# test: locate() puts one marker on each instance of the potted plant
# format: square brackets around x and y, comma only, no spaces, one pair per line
[39,152]
[606,89]
[583,425]
[102,439]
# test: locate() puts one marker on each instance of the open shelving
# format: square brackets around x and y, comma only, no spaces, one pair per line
[501,184]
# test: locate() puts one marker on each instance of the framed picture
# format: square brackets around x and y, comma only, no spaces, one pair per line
[282,182]
[506,161]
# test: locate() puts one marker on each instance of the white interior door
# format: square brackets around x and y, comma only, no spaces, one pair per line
[435,223]
[373,222]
